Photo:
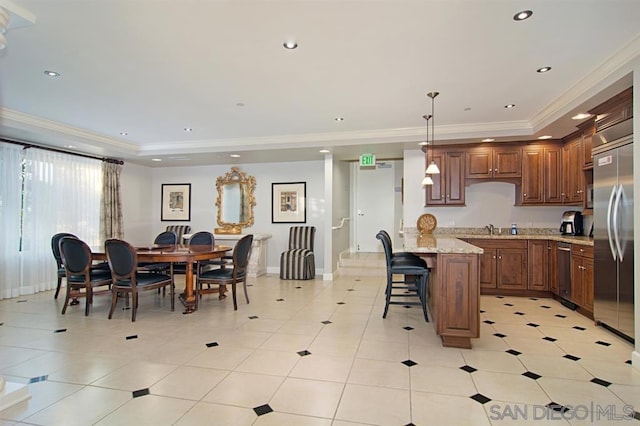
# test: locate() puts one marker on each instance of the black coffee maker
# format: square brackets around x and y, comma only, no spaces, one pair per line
[571,223]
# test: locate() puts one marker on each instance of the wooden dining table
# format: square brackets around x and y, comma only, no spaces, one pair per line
[172,254]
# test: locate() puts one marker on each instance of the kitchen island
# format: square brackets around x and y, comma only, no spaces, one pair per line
[454,285]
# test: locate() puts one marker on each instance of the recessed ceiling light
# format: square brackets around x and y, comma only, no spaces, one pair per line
[156,159]
[290,44]
[70,146]
[234,155]
[423,143]
[188,129]
[124,133]
[467,109]
[339,119]
[52,74]
[581,116]
[543,69]
[521,16]
[488,140]
[510,106]
[324,151]
[545,137]
[240,104]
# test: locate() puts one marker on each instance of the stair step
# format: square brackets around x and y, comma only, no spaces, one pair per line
[363,264]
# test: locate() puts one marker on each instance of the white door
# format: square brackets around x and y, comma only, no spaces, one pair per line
[374,206]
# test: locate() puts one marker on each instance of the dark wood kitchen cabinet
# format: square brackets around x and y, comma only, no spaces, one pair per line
[572,175]
[614,110]
[541,175]
[552,248]
[494,163]
[582,276]
[448,186]
[538,255]
[503,265]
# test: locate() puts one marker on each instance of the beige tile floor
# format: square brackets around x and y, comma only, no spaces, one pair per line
[220,367]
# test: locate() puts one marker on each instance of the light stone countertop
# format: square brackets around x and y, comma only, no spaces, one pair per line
[431,243]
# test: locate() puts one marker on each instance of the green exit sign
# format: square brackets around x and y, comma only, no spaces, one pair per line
[367,160]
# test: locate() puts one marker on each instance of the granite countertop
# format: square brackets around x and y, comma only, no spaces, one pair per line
[482,233]
[431,243]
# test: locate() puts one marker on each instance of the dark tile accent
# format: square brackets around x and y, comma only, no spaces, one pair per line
[482,312]
[600,382]
[545,306]
[133,336]
[407,307]
[408,328]
[140,392]
[279,300]
[489,322]
[577,327]
[480,398]
[409,363]
[519,313]
[468,368]
[560,316]
[508,304]
[499,297]
[263,409]
[513,352]
[253,317]
[531,375]
[298,287]
[636,415]
[500,335]
[212,344]
[533,324]
[533,298]
[21,301]
[249,285]
[571,357]
[410,424]
[38,379]
[1,323]
[304,353]
[60,330]
[628,362]
[340,303]
[557,407]
[350,289]
[600,342]
[550,339]
[327,322]
[357,279]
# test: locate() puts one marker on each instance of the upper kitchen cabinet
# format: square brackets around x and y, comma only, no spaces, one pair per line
[448,185]
[494,163]
[541,175]
[588,129]
[614,111]
[572,175]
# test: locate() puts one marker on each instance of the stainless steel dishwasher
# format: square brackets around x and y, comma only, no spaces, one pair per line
[564,274]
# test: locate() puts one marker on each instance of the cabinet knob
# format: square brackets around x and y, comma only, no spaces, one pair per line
[525,194]
[499,257]
[494,257]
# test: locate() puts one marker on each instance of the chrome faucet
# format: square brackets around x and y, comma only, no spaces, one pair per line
[490,228]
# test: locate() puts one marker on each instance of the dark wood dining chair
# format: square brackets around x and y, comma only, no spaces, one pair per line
[81,277]
[165,238]
[55,248]
[123,261]
[235,272]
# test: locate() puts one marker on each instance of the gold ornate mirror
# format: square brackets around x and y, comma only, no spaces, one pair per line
[235,201]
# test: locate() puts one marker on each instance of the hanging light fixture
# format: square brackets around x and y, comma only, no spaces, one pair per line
[427,179]
[432,169]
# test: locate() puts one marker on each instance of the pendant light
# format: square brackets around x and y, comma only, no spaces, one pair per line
[427,179]
[432,169]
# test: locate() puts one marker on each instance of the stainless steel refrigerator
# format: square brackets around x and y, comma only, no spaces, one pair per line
[613,228]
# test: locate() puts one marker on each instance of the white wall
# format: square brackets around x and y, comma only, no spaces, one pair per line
[137,205]
[490,202]
[341,208]
[203,198]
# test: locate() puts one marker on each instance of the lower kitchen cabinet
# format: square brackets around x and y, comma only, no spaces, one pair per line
[582,276]
[503,265]
[538,254]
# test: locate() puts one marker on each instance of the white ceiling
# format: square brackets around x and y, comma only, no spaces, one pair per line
[151,68]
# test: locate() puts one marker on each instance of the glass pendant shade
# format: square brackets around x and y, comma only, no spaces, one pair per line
[427,181]
[432,169]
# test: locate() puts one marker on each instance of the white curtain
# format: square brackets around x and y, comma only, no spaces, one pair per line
[59,193]
[10,202]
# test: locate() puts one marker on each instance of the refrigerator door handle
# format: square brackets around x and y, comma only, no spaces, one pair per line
[616,227]
[609,236]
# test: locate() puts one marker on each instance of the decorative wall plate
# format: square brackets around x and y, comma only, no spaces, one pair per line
[427,223]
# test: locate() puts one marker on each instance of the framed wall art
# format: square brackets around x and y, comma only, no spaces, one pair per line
[176,202]
[289,202]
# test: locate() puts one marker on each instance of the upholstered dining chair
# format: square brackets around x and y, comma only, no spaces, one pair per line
[81,277]
[298,261]
[235,272]
[55,248]
[412,285]
[165,238]
[123,261]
